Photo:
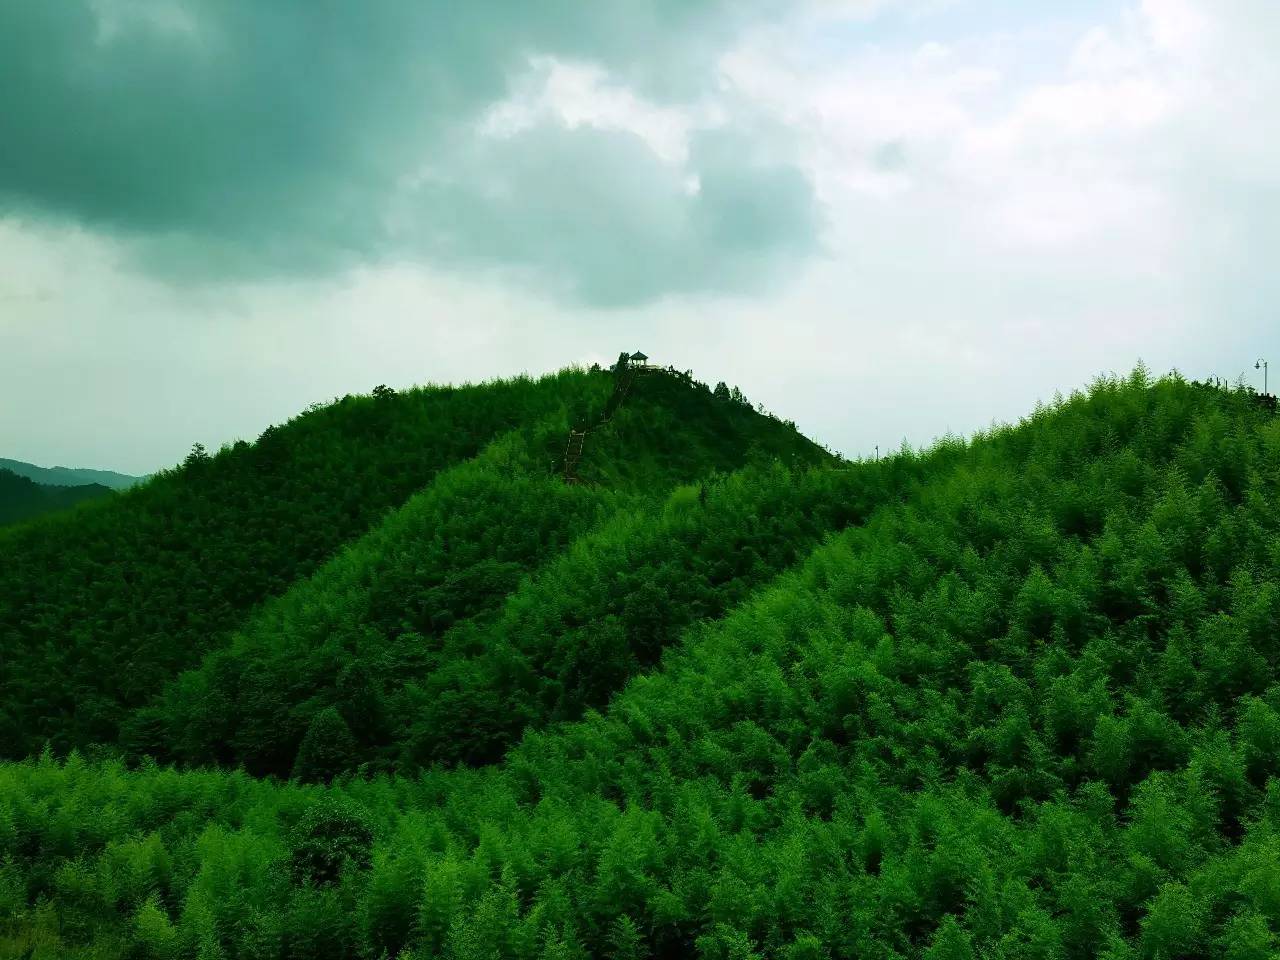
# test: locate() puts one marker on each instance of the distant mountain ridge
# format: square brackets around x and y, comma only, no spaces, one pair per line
[69,476]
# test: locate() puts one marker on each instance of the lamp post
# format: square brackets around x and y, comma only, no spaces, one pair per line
[1262,365]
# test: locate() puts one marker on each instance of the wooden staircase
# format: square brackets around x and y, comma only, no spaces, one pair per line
[621,390]
[624,381]
[573,454]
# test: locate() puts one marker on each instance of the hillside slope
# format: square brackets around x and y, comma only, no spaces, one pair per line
[396,608]
[97,629]
[1027,708]
[22,499]
[429,659]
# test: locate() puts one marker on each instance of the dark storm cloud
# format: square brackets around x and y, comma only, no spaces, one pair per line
[595,215]
[242,138]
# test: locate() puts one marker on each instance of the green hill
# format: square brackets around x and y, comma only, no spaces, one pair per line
[98,612]
[70,476]
[1009,697]
[22,498]
[422,602]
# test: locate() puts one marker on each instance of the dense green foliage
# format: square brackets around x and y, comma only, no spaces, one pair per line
[342,636]
[1027,705]
[403,633]
[576,632]
[672,427]
[385,631]
[98,612]
[99,608]
[22,499]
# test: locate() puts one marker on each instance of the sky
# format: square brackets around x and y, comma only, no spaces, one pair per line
[886,220]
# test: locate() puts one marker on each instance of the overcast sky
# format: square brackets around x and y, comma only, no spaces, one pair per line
[884,219]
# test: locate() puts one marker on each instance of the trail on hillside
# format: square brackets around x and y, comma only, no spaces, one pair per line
[625,375]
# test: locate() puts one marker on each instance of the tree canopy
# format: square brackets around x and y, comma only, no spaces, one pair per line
[1015,696]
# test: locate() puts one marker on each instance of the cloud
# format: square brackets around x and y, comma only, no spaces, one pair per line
[1132,127]
[233,138]
[1014,209]
[596,215]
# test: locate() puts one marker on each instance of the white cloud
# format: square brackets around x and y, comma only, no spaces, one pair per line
[170,18]
[1040,222]
[1177,25]
[576,94]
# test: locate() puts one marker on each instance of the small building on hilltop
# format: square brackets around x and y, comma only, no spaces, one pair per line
[639,359]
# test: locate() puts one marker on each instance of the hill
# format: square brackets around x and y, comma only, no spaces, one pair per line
[70,476]
[22,499]
[1015,696]
[101,610]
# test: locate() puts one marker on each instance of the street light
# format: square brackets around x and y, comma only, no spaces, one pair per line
[1262,365]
